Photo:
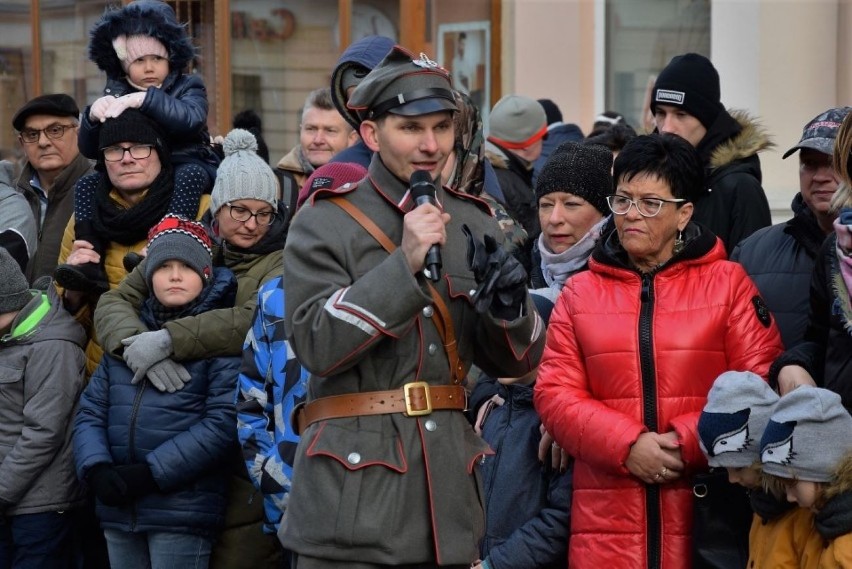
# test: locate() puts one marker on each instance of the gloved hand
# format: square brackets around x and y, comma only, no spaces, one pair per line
[138,478]
[108,486]
[501,278]
[144,350]
[168,375]
[98,110]
[119,105]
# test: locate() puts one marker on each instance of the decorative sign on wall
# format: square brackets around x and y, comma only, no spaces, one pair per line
[279,27]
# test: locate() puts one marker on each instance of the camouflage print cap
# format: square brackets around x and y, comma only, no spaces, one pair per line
[403,84]
[820,132]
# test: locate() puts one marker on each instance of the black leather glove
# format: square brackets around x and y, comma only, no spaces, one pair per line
[108,486]
[501,278]
[138,479]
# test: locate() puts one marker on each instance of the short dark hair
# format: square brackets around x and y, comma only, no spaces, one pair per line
[614,138]
[667,157]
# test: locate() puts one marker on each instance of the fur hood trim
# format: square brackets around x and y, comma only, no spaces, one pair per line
[753,138]
[152,18]
[841,482]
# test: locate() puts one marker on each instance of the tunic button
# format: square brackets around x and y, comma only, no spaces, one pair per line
[430,425]
[353,458]
[472,292]
[432,349]
[427,312]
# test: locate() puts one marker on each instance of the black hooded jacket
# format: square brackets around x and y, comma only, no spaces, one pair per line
[734,205]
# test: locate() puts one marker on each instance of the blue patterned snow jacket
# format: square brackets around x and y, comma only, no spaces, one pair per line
[271,383]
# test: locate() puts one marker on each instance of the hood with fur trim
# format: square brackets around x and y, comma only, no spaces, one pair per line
[751,139]
[152,18]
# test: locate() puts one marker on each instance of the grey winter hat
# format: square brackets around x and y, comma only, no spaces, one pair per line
[516,122]
[243,175]
[733,420]
[584,170]
[820,132]
[14,288]
[807,435]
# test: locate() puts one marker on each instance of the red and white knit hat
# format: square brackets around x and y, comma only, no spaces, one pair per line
[176,237]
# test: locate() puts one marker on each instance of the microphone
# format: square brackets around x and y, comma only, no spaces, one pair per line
[423,191]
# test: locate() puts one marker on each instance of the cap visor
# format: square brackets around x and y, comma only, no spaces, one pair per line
[824,145]
[424,107]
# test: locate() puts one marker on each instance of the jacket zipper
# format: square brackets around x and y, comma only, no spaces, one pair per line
[131,443]
[649,407]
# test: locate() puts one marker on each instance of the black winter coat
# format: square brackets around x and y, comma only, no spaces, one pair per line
[780,261]
[827,349]
[734,205]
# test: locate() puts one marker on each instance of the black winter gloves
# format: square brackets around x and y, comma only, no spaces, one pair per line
[501,278]
[119,485]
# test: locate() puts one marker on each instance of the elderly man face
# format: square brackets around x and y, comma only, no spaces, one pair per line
[49,143]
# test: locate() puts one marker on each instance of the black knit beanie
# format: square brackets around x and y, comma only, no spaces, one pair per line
[690,82]
[132,126]
[584,170]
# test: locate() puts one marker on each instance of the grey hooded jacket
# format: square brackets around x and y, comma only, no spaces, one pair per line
[41,378]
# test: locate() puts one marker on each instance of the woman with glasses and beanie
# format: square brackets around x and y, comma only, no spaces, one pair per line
[248,227]
[633,347]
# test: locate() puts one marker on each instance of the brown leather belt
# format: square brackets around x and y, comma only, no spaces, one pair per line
[412,400]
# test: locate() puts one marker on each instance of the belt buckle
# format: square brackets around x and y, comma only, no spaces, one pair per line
[406,390]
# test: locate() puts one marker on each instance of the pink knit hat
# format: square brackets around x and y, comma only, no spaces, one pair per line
[129,49]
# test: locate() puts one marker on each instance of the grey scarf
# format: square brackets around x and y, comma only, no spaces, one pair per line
[557,267]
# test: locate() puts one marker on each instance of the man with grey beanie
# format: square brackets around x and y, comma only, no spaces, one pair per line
[517,126]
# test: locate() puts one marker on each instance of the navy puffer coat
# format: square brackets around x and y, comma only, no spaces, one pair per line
[183,436]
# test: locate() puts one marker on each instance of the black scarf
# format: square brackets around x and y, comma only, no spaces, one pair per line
[835,518]
[131,225]
[803,227]
[768,506]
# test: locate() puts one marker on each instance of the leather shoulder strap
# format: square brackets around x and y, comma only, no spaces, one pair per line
[441,317]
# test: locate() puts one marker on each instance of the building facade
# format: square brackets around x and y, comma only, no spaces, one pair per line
[782,60]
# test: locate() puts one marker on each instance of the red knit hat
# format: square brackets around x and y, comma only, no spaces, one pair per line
[330,177]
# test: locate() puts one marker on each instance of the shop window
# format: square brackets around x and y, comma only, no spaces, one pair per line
[641,37]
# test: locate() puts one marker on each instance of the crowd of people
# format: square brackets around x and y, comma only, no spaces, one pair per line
[417,340]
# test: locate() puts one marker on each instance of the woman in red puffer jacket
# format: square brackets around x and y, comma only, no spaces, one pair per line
[633,346]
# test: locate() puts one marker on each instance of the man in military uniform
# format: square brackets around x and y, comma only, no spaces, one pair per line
[385,472]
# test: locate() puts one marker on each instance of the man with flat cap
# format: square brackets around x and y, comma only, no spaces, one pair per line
[386,467]
[47,130]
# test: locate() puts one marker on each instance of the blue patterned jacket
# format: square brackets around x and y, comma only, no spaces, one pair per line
[271,383]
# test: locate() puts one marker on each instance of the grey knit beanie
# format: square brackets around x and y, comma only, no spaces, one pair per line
[516,122]
[14,288]
[584,170]
[807,435]
[733,420]
[243,175]
[176,237]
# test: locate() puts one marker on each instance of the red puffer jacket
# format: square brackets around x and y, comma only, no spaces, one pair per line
[626,354]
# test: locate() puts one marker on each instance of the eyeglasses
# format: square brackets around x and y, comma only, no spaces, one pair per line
[243,214]
[647,207]
[137,152]
[53,132]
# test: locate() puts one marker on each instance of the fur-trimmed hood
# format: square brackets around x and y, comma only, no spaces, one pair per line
[152,18]
[751,139]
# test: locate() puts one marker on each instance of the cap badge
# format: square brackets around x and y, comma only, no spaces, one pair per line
[425,62]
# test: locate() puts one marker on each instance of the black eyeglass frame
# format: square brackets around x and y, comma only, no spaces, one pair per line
[249,214]
[33,135]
